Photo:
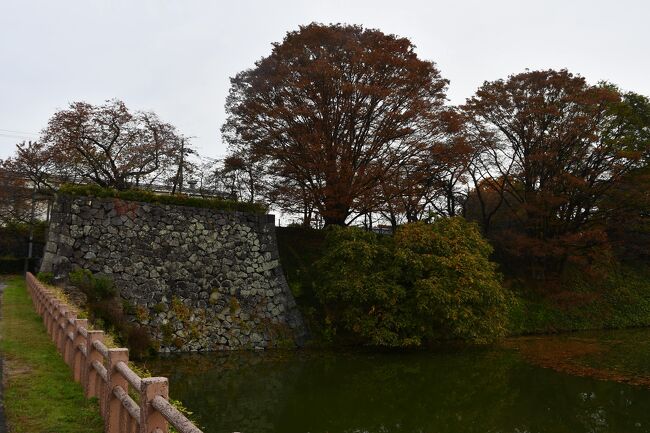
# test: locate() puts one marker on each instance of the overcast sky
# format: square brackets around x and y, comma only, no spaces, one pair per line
[176,57]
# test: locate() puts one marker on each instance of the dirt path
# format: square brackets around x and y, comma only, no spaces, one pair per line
[3,426]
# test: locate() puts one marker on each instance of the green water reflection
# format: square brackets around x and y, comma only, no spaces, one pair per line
[463,391]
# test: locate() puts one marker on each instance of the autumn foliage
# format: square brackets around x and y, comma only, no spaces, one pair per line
[336,111]
[342,125]
[349,124]
[550,147]
[107,145]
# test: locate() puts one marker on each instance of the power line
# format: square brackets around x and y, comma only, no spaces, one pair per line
[12,136]
[17,132]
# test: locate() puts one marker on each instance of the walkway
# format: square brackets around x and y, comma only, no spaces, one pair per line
[3,426]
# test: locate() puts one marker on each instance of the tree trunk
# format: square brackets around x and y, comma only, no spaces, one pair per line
[334,220]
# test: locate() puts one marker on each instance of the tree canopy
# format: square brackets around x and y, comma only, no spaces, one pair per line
[110,145]
[549,147]
[335,110]
[107,145]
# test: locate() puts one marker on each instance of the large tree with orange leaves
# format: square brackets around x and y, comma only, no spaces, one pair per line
[549,149]
[336,109]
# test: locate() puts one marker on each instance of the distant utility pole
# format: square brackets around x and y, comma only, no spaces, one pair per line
[180,167]
[179,172]
[31,232]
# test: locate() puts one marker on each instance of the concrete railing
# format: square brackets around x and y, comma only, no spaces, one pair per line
[105,374]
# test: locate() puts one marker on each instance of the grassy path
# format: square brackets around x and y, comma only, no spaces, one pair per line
[40,395]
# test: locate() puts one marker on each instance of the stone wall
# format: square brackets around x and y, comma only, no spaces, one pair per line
[198,279]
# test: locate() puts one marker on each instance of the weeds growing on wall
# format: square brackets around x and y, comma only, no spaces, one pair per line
[96,288]
[106,310]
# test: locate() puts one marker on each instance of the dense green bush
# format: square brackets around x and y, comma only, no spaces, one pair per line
[150,197]
[426,283]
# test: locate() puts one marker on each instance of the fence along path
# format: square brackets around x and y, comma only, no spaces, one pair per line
[104,373]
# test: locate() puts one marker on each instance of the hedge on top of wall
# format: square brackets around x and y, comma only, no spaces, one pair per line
[151,197]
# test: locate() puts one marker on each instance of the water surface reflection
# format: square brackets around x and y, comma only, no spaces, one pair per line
[329,392]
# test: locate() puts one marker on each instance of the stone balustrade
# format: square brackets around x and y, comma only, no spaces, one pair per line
[104,372]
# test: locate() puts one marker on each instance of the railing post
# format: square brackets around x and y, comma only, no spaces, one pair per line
[150,418]
[56,323]
[44,297]
[30,286]
[47,314]
[77,360]
[58,315]
[53,308]
[68,344]
[38,300]
[45,300]
[34,292]
[112,404]
[31,289]
[89,373]
[61,327]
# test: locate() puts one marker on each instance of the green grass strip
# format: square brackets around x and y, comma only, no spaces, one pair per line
[40,393]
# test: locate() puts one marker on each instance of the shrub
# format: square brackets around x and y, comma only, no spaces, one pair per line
[103,287]
[453,282]
[139,341]
[80,278]
[426,283]
[45,277]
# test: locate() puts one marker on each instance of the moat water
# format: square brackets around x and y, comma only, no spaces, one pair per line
[594,382]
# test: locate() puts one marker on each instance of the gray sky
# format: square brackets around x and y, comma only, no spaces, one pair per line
[176,57]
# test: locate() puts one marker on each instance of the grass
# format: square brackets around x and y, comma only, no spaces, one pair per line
[620,300]
[40,395]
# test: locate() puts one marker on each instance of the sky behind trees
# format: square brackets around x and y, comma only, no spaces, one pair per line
[176,58]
